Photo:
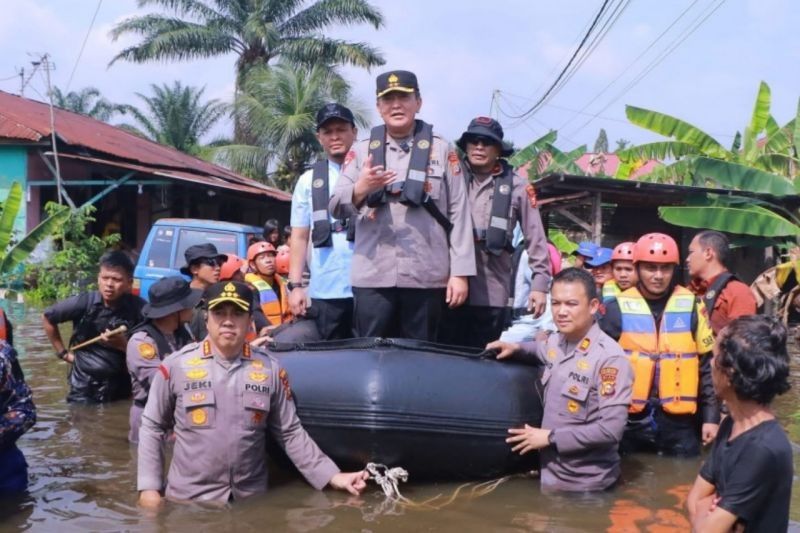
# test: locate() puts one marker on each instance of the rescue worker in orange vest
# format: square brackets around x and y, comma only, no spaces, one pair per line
[666,333]
[622,270]
[6,329]
[271,288]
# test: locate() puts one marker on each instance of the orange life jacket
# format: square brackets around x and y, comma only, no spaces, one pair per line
[671,350]
[3,326]
[275,309]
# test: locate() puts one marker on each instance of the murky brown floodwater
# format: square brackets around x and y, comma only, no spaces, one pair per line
[83,478]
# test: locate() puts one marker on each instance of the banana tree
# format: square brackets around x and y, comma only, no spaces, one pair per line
[542,157]
[13,254]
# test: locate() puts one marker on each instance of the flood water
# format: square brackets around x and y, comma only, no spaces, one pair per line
[83,478]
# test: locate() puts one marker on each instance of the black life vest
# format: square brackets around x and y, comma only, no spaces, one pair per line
[495,237]
[714,290]
[412,190]
[322,228]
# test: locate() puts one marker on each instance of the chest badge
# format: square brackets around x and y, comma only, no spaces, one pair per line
[194,361]
[197,373]
[373,145]
[199,417]
[423,144]
[147,351]
[259,376]
[573,406]
[197,397]
[582,364]
[318,183]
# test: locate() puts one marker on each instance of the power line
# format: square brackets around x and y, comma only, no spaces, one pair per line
[631,64]
[500,96]
[653,64]
[569,63]
[83,46]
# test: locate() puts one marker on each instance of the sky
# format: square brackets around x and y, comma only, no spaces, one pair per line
[479,58]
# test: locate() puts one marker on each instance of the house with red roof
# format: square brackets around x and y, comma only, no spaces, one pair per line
[131,180]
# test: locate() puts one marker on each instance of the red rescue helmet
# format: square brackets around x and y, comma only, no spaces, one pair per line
[656,248]
[623,251]
[282,262]
[258,248]
[229,267]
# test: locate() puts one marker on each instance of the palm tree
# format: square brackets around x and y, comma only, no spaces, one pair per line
[175,116]
[257,31]
[87,102]
[277,110]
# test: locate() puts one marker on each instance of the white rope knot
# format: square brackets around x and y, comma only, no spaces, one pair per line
[388,479]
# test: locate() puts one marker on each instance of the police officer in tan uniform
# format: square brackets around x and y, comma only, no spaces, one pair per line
[171,301]
[413,242]
[498,200]
[587,382]
[221,397]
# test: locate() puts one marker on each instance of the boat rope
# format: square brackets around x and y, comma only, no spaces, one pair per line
[389,478]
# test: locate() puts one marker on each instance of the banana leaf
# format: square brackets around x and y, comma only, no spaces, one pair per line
[565,161]
[737,142]
[10,210]
[734,176]
[746,221]
[561,241]
[796,132]
[781,164]
[531,152]
[673,127]
[23,248]
[758,122]
[781,141]
[657,150]
[679,172]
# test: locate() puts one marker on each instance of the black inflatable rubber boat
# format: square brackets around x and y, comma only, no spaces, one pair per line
[440,412]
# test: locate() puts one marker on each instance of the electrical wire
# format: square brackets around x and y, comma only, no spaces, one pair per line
[83,46]
[569,63]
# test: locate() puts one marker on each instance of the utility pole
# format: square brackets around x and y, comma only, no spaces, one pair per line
[22,81]
[47,66]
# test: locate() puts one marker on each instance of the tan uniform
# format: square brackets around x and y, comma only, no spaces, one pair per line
[401,246]
[492,285]
[587,392]
[142,358]
[221,412]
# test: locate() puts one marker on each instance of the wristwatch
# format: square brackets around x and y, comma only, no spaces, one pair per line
[292,286]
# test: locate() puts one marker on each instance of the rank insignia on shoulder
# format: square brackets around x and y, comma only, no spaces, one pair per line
[197,373]
[147,351]
[206,348]
[584,345]
[246,353]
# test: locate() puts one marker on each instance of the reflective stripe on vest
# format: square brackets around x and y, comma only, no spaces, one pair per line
[272,306]
[496,235]
[412,190]
[671,351]
[610,291]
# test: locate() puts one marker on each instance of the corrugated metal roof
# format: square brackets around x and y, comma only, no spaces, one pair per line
[29,120]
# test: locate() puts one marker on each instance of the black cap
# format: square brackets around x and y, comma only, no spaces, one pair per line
[396,80]
[334,111]
[485,127]
[198,252]
[169,295]
[236,292]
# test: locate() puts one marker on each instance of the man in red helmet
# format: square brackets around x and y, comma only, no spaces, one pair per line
[622,270]
[263,275]
[666,333]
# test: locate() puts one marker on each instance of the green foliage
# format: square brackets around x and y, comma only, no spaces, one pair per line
[175,116]
[88,101]
[258,32]
[277,111]
[73,267]
[561,241]
[544,158]
[753,220]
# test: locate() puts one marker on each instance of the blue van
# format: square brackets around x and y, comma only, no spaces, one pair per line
[162,254]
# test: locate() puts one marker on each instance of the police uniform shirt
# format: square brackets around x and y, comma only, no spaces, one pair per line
[330,265]
[587,389]
[221,411]
[142,358]
[401,246]
[492,285]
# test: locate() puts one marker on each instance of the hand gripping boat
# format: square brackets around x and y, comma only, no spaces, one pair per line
[440,412]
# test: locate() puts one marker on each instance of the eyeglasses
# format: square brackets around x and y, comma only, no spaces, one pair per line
[480,139]
[210,261]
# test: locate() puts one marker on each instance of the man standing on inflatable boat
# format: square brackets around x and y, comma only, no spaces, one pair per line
[587,388]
